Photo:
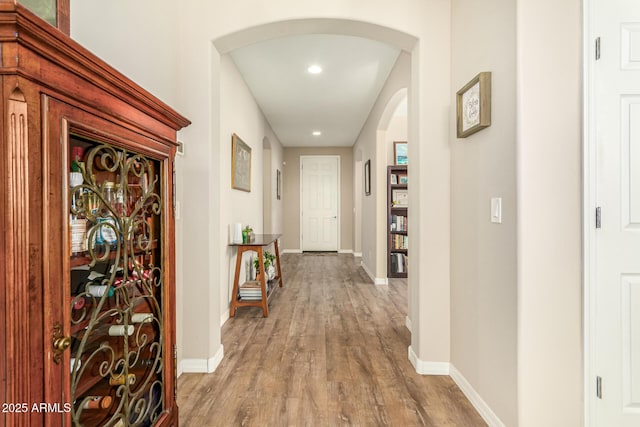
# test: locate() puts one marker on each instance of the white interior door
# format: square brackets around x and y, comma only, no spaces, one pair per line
[319,208]
[615,303]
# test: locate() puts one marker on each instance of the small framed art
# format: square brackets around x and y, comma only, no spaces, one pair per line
[473,105]
[240,164]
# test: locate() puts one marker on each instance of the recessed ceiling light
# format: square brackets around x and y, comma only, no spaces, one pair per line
[315,69]
[316,133]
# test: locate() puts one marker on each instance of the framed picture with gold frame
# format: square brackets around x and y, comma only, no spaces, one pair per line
[240,164]
[473,105]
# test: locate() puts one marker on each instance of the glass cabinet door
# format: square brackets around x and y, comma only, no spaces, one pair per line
[55,12]
[115,285]
[45,9]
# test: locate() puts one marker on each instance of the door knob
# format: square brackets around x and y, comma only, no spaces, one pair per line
[60,342]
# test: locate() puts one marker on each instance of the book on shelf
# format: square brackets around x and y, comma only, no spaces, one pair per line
[399,223]
[399,262]
[400,242]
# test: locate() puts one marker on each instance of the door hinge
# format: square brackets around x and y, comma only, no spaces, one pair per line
[599,387]
[597,48]
[598,217]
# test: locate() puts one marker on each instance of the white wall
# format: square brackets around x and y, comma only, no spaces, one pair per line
[240,114]
[549,240]
[483,165]
[142,42]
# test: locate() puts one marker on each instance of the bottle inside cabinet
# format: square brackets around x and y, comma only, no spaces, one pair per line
[116,285]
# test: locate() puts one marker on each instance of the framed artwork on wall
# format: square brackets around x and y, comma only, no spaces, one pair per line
[473,105]
[240,164]
[400,153]
[367,178]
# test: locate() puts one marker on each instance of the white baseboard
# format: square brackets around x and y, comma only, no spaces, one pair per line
[424,367]
[224,317]
[374,279]
[201,366]
[481,406]
[340,251]
[407,323]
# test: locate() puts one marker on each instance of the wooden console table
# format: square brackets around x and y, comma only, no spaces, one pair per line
[256,245]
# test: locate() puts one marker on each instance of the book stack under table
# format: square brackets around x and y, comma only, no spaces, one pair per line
[251,291]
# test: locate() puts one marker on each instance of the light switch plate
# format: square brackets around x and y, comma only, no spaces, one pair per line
[496,210]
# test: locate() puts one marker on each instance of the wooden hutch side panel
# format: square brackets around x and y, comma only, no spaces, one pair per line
[17,253]
[22,257]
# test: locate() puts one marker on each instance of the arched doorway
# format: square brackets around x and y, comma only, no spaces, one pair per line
[426,40]
[430,281]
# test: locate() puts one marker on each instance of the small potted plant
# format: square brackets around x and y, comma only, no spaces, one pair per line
[268,259]
[247,234]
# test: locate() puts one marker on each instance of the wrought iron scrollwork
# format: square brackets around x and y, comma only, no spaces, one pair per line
[117,317]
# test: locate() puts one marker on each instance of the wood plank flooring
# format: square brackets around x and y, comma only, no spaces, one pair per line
[333,352]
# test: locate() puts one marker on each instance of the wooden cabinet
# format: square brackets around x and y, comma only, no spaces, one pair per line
[87,290]
[397,221]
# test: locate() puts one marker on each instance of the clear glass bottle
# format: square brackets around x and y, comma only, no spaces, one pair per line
[107,233]
[118,204]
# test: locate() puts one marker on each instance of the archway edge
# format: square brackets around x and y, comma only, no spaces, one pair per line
[391,107]
[284,28]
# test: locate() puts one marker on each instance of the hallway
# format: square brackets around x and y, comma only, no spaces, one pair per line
[332,352]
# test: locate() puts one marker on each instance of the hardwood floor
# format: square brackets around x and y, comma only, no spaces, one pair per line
[333,352]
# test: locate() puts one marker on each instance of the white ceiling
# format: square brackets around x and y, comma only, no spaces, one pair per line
[336,102]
